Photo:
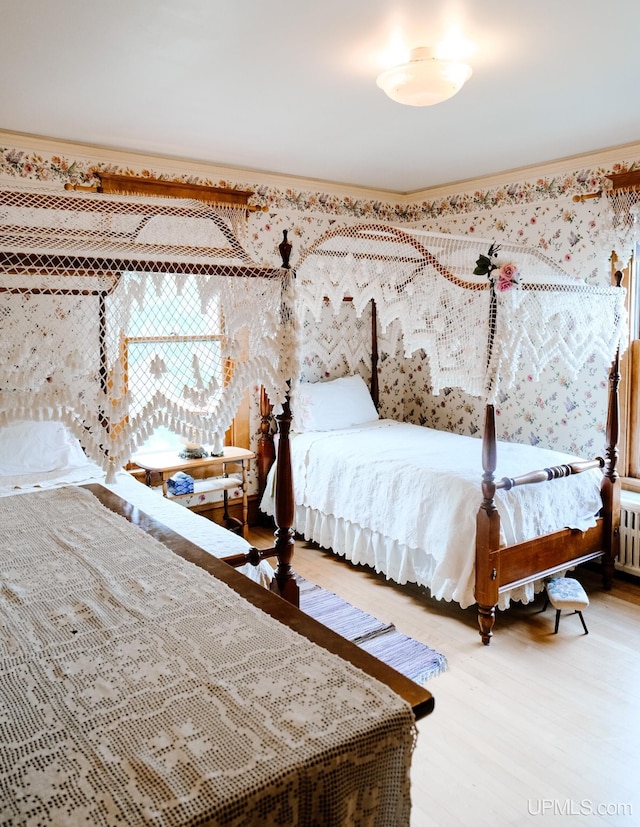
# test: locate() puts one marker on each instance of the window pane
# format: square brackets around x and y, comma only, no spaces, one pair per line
[187,371]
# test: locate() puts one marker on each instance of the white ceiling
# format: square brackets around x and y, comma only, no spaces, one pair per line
[288,86]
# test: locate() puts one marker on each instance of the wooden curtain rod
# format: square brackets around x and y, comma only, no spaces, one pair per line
[625,180]
[133,185]
[620,181]
[582,198]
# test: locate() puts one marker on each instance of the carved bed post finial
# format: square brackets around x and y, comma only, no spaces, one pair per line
[285,250]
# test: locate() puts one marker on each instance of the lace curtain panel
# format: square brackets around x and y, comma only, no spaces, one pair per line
[120,314]
[474,330]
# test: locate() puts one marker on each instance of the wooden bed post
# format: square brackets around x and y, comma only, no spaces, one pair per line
[611,482]
[266,451]
[375,392]
[284,582]
[487,534]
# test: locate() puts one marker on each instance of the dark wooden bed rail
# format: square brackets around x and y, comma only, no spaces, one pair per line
[555,472]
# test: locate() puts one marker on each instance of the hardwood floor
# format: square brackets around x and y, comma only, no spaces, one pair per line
[537,727]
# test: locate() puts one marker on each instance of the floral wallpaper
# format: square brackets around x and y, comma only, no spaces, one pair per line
[540,213]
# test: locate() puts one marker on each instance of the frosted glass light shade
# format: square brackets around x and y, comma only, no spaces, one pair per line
[424,80]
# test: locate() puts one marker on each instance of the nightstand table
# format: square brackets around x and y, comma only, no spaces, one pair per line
[211,474]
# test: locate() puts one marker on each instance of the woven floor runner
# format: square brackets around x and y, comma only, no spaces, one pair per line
[413,659]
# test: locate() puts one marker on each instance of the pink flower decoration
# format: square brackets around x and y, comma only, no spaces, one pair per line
[506,277]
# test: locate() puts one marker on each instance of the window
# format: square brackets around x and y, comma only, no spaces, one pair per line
[194,378]
[188,369]
[174,346]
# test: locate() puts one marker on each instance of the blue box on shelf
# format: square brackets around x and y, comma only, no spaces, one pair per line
[180,483]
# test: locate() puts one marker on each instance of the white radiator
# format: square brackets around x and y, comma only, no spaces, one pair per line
[629,559]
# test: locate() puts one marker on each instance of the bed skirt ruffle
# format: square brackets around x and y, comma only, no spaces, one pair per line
[396,561]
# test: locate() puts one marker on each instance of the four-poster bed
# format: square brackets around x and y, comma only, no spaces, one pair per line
[132,665]
[412,278]
[89,275]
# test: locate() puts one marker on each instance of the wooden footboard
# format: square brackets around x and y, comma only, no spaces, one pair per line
[509,567]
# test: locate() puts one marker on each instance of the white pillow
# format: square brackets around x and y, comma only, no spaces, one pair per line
[328,406]
[28,446]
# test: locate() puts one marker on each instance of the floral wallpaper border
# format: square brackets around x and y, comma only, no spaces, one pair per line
[18,163]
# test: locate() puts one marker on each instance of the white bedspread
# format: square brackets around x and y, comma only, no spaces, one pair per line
[384,494]
[210,536]
[136,689]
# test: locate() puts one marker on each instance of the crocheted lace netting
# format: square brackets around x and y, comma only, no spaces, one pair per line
[475,330]
[122,313]
[620,228]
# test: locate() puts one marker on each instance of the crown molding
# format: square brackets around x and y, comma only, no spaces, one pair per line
[599,158]
[178,168]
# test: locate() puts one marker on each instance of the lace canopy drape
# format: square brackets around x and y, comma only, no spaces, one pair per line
[620,228]
[123,313]
[474,333]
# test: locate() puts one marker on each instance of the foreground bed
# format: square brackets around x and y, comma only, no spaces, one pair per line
[144,680]
[138,688]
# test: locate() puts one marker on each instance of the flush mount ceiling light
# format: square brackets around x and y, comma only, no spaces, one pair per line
[425,79]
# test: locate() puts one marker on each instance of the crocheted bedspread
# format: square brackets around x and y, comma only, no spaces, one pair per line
[135,688]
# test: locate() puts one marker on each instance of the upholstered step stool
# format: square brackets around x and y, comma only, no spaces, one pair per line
[566,593]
